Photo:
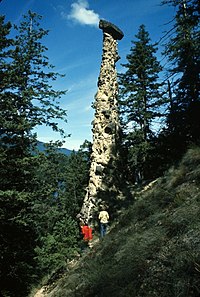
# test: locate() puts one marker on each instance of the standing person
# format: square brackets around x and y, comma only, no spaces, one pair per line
[86,233]
[103,217]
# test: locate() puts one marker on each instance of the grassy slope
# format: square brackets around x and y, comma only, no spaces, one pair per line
[154,249]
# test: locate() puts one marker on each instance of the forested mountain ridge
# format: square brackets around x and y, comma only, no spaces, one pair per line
[41,147]
[152,249]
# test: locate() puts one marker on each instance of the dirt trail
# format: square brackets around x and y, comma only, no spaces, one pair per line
[40,292]
[43,292]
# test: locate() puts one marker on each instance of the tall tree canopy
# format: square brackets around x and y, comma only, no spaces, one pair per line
[140,98]
[27,99]
[182,50]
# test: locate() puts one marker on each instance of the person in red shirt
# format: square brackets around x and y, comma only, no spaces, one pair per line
[86,233]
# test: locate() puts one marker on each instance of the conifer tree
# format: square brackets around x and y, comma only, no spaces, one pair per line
[16,250]
[5,43]
[27,99]
[182,50]
[140,100]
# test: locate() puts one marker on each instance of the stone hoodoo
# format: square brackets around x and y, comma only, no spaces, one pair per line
[106,123]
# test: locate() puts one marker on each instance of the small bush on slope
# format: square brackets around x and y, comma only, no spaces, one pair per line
[154,250]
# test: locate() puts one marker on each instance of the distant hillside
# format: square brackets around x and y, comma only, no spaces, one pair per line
[153,249]
[41,148]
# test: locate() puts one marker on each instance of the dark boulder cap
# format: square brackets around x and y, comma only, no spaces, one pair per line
[111,29]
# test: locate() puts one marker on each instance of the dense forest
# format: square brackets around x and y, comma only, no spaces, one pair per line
[42,192]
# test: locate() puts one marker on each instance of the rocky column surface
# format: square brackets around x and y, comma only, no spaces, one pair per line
[106,123]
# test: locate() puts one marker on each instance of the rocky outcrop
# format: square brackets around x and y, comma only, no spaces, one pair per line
[106,122]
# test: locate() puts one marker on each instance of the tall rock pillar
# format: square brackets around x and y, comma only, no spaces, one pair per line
[105,125]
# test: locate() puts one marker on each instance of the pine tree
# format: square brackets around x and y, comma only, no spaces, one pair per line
[16,236]
[33,74]
[27,99]
[141,99]
[182,51]
[5,43]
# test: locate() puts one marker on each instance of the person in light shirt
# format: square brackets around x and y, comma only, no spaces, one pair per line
[103,218]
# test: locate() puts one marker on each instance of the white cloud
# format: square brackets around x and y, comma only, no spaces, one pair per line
[80,13]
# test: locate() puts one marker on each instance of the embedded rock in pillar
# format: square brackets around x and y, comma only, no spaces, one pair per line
[106,122]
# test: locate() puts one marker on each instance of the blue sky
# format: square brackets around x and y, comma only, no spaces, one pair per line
[75,47]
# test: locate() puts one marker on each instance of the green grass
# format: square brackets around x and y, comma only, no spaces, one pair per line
[153,249]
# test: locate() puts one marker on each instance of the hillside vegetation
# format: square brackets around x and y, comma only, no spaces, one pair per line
[154,247]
